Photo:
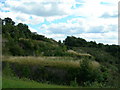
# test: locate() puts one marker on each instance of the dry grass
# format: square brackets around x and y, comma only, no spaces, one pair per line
[95,64]
[76,53]
[45,61]
[59,62]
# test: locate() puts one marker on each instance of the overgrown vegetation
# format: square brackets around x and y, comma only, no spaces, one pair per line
[78,73]
[74,62]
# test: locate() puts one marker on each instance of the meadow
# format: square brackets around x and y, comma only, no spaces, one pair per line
[51,72]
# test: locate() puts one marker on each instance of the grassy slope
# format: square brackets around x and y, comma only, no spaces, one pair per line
[49,61]
[58,62]
[19,83]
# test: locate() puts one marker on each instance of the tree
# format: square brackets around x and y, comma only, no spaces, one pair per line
[8,21]
[24,31]
[72,41]
[60,42]
[92,44]
[87,73]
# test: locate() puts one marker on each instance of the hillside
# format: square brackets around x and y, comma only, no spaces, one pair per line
[75,62]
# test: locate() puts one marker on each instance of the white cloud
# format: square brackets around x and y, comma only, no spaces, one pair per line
[52,18]
[94,8]
[81,25]
[106,38]
[98,23]
[35,20]
[63,28]
[48,9]
[21,17]
[104,31]
[41,7]
[32,29]
[57,37]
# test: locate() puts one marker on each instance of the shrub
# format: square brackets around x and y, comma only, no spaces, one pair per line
[74,83]
[7,71]
[87,73]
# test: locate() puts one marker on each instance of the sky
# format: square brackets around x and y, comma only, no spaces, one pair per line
[93,20]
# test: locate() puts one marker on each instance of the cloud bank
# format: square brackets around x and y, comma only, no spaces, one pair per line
[94,20]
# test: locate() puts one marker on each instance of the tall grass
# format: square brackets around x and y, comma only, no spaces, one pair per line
[45,61]
[63,71]
[59,62]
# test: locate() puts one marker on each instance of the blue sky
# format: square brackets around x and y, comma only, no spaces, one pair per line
[93,20]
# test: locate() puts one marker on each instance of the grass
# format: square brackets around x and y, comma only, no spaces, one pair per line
[59,62]
[79,54]
[13,82]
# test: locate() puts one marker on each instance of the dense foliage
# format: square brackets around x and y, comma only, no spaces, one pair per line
[102,53]
[106,55]
[18,40]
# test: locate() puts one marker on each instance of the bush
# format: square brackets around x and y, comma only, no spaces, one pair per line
[87,73]
[74,83]
[7,71]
